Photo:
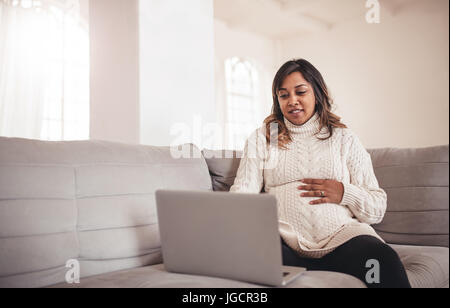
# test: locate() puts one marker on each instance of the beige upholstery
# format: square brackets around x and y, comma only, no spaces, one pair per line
[91,201]
[156,277]
[94,201]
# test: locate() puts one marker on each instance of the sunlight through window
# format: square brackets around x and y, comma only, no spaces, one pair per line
[242,80]
[47,46]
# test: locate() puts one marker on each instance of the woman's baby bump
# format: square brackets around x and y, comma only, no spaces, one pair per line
[320,220]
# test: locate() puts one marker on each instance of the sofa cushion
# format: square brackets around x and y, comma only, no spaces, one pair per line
[416,182]
[87,200]
[223,166]
[426,267]
[157,277]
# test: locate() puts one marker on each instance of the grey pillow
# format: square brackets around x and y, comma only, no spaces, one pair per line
[223,166]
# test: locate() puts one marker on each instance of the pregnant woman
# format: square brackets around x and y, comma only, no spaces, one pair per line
[323,180]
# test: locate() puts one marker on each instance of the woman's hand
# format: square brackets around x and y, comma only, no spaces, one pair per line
[329,191]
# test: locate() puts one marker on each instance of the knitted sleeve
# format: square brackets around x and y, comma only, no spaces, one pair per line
[363,196]
[250,174]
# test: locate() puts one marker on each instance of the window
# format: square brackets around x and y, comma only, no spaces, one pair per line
[66,108]
[45,47]
[243,112]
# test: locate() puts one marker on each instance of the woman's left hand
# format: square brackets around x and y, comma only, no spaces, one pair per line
[329,191]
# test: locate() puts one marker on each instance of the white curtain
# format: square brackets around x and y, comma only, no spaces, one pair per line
[33,72]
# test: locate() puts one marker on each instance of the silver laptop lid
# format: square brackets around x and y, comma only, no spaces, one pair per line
[223,235]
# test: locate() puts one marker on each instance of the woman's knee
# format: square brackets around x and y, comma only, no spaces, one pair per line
[367,255]
[373,248]
[363,251]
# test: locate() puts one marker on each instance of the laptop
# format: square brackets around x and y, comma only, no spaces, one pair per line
[221,234]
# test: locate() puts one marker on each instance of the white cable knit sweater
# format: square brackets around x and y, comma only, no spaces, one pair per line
[314,230]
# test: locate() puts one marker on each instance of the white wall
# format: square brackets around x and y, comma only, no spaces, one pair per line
[390,80]
[259,50]
[152,68]
[84,10]
[114,83]
[176,70]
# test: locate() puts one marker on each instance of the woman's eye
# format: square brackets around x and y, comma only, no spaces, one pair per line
[284,96]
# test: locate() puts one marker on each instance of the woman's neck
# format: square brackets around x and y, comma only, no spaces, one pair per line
[308,129]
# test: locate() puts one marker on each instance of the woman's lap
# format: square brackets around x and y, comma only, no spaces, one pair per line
[291,258]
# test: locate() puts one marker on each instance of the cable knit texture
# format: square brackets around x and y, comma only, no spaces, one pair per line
[314,230]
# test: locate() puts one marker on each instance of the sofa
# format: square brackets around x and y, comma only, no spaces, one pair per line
[93,202]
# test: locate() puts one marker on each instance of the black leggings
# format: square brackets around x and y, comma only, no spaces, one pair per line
[352,257]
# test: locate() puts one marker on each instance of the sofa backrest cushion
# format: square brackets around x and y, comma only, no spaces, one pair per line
[91,201]
[415,180]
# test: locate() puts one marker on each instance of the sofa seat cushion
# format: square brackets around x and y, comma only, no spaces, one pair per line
[426,267]
[156,277]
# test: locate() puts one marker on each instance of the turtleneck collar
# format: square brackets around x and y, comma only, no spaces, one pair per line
[308,129]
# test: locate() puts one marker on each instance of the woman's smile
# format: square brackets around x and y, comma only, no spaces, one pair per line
[297,113]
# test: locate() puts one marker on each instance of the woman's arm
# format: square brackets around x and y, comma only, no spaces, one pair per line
[362,195]
[250,175]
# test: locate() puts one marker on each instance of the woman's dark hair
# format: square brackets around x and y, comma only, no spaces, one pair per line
[323,101]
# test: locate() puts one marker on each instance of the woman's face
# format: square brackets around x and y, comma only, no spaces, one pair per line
[297,99]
